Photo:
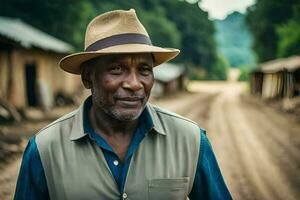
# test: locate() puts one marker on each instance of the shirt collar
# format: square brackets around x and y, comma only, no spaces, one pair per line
[156,120]
[148,120]
[77,130]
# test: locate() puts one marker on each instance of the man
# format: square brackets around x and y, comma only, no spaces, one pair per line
[116,145]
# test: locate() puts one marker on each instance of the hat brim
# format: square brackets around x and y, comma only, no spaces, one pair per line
[72,63]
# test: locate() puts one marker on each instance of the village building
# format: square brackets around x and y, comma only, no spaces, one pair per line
[29,72]
[256,82]
[169,78]
[278,79]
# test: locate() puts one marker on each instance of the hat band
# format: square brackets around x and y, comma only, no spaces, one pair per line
[127,38]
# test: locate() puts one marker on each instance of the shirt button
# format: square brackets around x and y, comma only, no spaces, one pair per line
[116,162]
[124,195]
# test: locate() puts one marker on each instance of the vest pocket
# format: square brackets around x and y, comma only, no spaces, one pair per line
[170,188]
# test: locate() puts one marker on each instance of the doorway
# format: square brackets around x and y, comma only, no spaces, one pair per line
[30,73]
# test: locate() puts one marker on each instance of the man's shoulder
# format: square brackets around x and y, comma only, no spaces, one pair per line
[53,129]
[172,123]
[64,119]
[171,115]
[183,131]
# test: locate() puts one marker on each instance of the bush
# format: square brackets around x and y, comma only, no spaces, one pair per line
[245,71]
[218,71]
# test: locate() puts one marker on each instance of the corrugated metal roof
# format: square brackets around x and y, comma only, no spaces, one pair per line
[29,37]
[290,64]
[167,72]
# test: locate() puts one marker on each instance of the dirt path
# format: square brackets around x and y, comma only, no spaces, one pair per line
[18,134]
[8,177]
[257,147]
[254,146]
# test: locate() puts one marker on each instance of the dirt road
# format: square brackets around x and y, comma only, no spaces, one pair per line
[257,147]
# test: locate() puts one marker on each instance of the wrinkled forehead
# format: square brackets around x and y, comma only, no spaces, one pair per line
[138,57]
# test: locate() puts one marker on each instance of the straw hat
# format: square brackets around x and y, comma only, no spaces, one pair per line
[116,32]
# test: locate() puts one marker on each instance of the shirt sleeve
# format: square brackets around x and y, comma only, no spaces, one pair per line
[209,183]
[31,182]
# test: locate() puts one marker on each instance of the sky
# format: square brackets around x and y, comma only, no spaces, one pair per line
[219,9]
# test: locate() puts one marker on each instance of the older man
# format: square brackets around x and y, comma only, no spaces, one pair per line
[116,145]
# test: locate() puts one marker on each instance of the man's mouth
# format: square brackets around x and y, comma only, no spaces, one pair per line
[130,101]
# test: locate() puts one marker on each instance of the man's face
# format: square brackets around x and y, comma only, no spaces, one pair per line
[121,84]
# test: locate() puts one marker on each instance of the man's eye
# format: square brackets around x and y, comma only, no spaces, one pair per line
[116,69]
[145,70]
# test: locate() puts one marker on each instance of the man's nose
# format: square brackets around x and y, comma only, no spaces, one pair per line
[132,82]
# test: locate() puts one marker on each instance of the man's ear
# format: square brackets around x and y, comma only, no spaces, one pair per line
[86,77]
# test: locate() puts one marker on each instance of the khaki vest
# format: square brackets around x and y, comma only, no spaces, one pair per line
[162,167]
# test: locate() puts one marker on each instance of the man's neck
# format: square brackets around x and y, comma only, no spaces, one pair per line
[116,133]
[105,124]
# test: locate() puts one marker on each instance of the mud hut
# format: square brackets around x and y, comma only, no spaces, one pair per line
[256,82]
[281,78]
[169,78]
[29,72]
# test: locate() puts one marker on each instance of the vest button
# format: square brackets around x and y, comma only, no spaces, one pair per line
[124,195]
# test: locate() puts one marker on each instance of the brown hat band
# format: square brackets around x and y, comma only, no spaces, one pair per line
[127,38]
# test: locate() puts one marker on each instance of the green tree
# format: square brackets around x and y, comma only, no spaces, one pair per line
[219,71]
[289,35]
[197,42]
[59,18]
[190,30]
[264,18]
[159,30]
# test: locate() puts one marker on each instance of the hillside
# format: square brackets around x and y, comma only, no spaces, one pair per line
[234,40]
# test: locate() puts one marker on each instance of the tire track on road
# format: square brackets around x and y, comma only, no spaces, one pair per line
[264,172]
[284,154]
[236,161]
[247,162]
[276,127]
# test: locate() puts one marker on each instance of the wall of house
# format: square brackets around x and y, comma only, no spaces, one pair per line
[157,89]
[297,82]
[17,95]
[256,82]
[272,85]
[58,79]
[172,86]
[3,74]
[289,84]
[47,72]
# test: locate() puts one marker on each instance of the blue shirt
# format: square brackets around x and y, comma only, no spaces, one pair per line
[208,183]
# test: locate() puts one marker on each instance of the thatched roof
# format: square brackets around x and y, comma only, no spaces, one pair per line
[167,72]
[290,64]
[28,36]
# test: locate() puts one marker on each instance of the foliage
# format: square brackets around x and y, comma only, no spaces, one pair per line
[265,19]
[219,71]
[194,73]
[148,12]
[289,35]
[159,30]
[234,40]
[245,71]
[55,17]
[197,44]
